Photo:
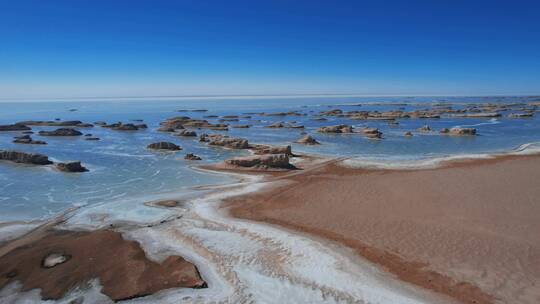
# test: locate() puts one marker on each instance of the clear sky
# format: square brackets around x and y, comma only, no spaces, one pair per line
[141,48]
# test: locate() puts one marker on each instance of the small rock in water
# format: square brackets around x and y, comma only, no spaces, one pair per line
[308,140]
[71,167]
[191,156]
[163,145]
[53,259]
[424,128]
[186,133]
[168,203]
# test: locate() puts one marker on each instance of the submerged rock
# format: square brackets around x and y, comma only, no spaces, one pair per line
[26,139]
[308,140]
[334,112]
[25,158]
[74,166]
[521,115]
[163,145]
[61,132]
[278,161]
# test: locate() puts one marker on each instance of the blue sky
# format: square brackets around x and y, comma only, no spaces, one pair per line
[142,48]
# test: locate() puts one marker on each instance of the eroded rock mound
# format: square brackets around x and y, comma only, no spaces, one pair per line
[164,145]
[25,158]
[15,127]
[61,132]
[180,122]
[372,133]
[459,131]
[260,150]
[127,127]
[308,140]
[267,161]
[67,123]
[186,133]
[336,129]
[225,141]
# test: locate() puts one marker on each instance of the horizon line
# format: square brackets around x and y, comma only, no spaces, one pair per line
[255,96]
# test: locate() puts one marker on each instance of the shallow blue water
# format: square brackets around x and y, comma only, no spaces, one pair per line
[121,168]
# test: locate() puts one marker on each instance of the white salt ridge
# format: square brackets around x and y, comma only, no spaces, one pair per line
[492,121]
[11,231]
[242,261]
[398,163]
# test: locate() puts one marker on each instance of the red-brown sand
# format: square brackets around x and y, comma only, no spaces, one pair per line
[121,266]
[470,230]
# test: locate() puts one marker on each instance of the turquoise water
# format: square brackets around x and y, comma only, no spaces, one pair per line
[121,168]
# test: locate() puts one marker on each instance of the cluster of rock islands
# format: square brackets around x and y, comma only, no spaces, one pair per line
[263,156]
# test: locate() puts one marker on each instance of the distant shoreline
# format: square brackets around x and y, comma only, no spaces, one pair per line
[244,96]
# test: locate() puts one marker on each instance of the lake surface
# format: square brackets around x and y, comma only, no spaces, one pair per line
[122,170]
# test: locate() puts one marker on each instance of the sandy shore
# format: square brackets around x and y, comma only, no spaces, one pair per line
[468,230]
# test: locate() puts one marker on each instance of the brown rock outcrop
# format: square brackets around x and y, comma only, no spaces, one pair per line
[26,139]
[61,132]
[272,150]
[15,127]
[336,129]
[74,166]
[462,131]
[308,140]
[25,158]
[164,145]
[267,161]
[186,133]
[225,141]
[191,156]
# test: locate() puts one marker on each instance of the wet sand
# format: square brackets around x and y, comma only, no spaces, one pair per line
[469,230]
